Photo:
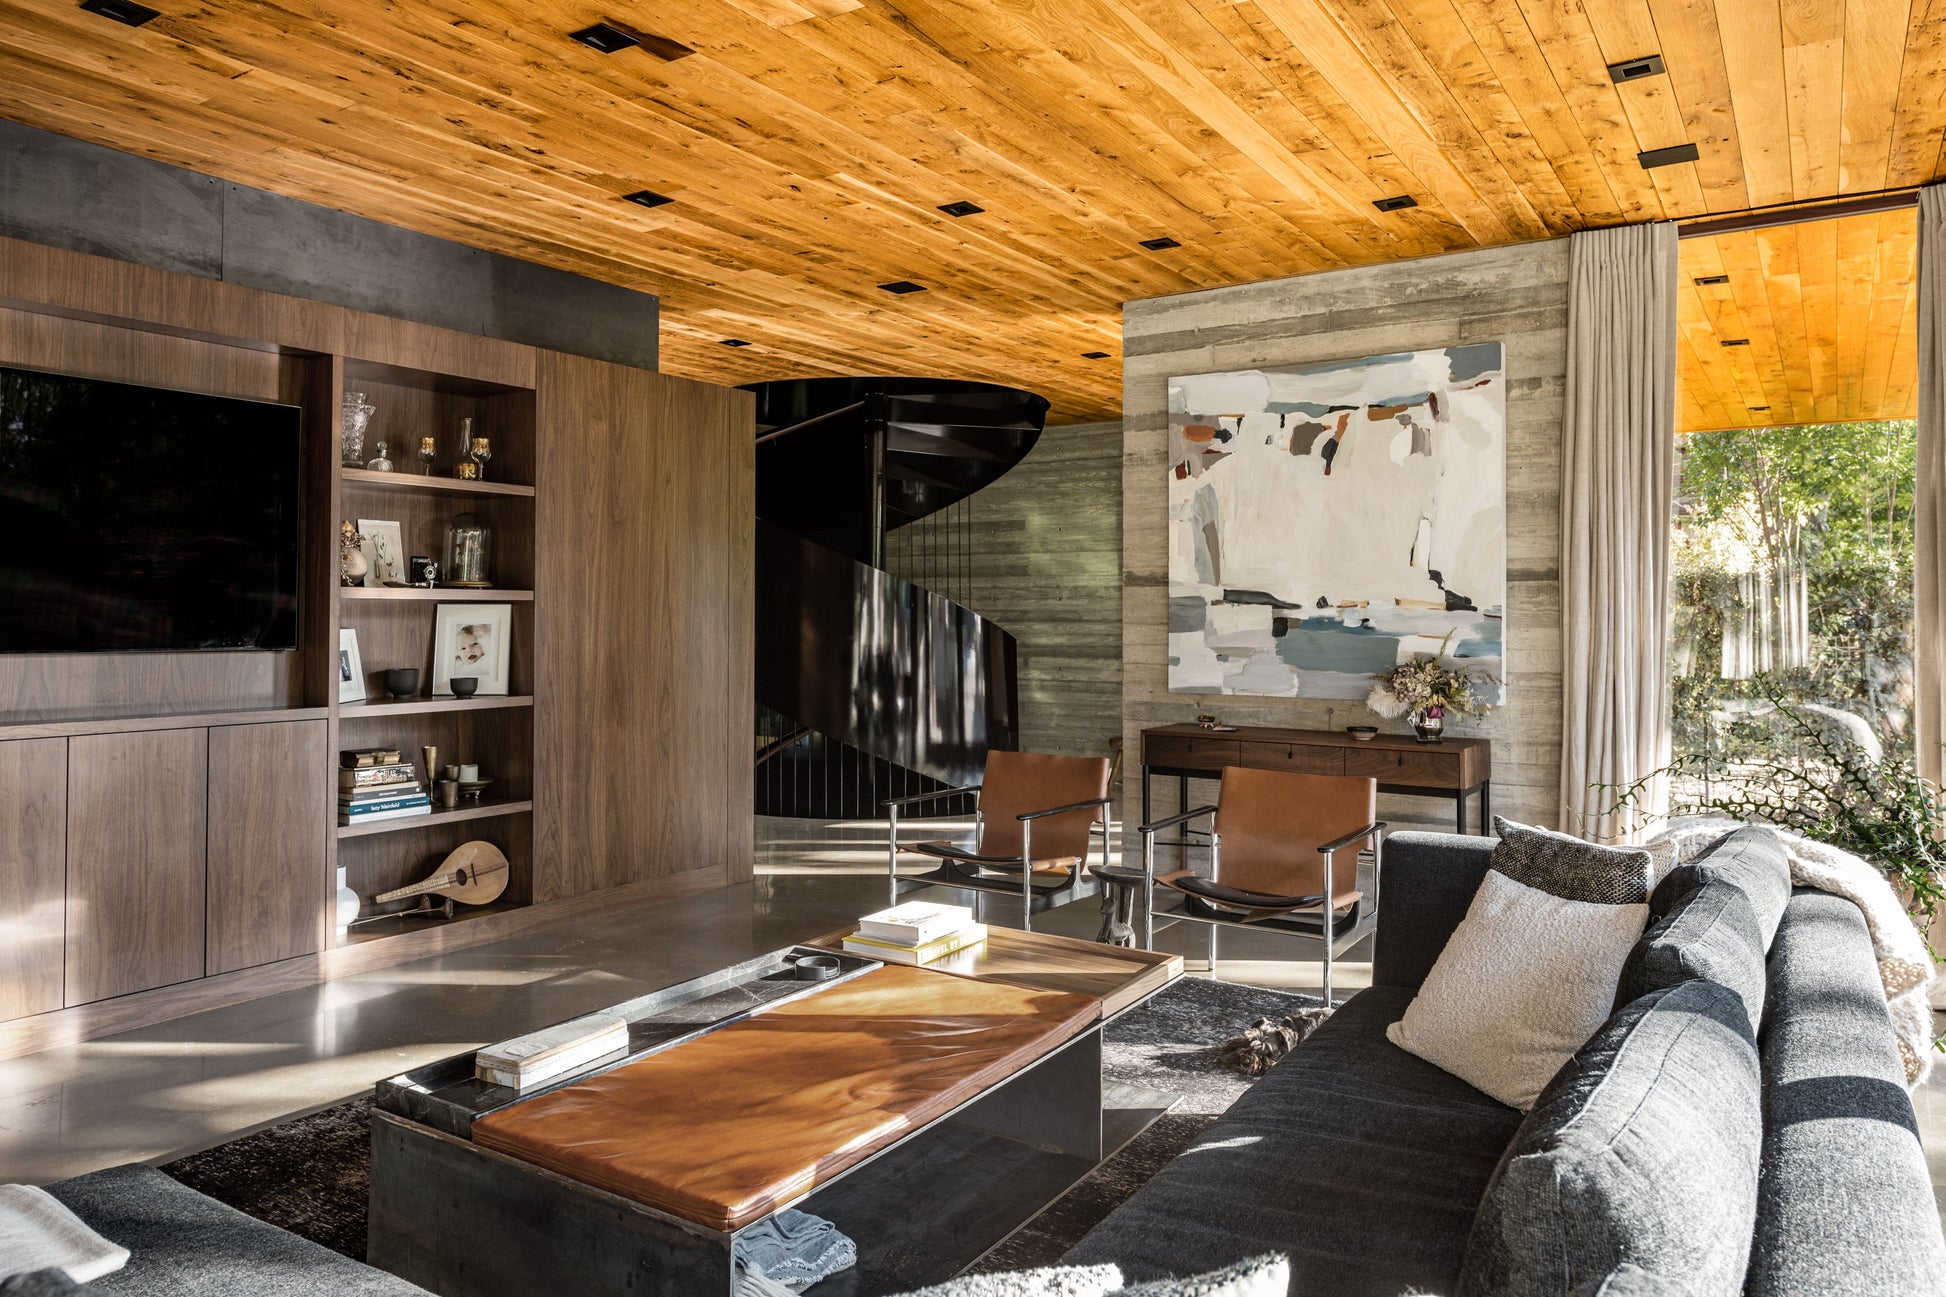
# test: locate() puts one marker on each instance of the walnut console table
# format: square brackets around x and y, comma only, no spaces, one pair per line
[1453,769]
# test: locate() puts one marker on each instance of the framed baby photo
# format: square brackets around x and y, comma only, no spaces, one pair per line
[351,668]
[470,641]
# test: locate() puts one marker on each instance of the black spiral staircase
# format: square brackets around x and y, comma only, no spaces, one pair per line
[870,685]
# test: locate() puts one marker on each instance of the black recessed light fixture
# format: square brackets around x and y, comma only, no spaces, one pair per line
[1395,204]
[647,198]
[1668,157]
[735,342]
[1712,279]
[961,208]
[606,37]
[122,11]
[1636,69]
[1735,342]
[1160,245]
[1758,409]
[1094,355]
[903,286]
[611,37]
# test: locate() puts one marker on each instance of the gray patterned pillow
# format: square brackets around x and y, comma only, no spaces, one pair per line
[1569,868]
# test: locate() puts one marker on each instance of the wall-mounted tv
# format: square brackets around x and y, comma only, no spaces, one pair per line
[143,519]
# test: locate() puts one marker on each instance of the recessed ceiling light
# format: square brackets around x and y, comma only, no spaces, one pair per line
[1094,355]
[606,37]
[903,286]
[122,11]
[1668,157]
[961,208]
[647,198]
[1758,409]
[1397,204]
[735,342]
[1735,342]
[1635,69]
[1161,244]
[1712,279]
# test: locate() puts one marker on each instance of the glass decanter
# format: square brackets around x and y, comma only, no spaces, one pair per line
[381,464]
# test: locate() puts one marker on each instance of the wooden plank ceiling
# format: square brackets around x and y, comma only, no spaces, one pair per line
[1818,319]
[808,143]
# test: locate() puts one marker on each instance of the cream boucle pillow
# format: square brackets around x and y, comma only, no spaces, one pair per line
[1530,972]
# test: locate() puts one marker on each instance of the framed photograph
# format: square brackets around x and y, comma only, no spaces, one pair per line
[471,639]
[351,668]
[384,551]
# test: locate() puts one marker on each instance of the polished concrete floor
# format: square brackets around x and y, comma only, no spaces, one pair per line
[157,1093]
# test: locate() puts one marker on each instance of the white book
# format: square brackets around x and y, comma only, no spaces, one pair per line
[914,923]
[373,817]
[552,1052]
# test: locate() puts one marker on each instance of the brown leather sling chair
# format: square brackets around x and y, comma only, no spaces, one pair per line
[1274,850]
[1037,818]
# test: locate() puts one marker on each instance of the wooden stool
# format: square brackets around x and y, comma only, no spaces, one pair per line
[1121,886]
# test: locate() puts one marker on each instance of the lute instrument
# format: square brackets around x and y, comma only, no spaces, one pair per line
[475,874]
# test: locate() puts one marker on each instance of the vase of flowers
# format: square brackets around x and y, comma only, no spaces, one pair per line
[1428,691]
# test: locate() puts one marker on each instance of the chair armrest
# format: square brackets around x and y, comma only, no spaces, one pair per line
[1063,810]
[928,797]
[1174,820]
[1350,838]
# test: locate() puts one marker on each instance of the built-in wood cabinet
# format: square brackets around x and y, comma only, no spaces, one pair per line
[268,824]
[33,874]
[138,832]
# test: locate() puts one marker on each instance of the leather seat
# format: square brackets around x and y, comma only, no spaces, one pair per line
[724,1129]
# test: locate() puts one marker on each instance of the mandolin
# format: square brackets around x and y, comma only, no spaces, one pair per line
[475,874]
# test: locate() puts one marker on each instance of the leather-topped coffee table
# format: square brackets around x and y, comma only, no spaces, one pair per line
[927,1114]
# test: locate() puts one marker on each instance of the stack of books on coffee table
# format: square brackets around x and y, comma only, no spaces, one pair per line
[917,932]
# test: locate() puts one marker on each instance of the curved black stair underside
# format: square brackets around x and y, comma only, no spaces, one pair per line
[869,685]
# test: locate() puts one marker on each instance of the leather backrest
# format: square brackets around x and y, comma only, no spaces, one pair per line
[1018,782]
[1273,821]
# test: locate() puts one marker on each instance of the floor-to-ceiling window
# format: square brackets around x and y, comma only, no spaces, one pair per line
[1791,561]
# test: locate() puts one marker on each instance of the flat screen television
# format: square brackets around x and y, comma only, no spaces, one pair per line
[142,519]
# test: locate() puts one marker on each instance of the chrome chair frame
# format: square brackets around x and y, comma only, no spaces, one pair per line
[1024,861]
[1333,941]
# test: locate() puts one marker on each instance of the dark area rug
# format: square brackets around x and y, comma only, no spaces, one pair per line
[312,1176]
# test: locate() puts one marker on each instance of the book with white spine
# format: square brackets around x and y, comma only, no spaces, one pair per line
[552,1052]
[914,923]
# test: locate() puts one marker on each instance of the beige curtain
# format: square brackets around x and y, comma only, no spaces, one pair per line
[1929,512]
[1617,478]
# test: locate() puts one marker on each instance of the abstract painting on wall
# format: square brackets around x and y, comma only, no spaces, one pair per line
[1328,521]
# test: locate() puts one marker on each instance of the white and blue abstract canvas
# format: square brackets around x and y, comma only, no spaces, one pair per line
[1327,521]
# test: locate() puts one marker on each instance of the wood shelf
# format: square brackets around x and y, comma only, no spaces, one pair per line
[139,724]
[439,593]
[407,928]
[374,707]
[486,810]
[420,482]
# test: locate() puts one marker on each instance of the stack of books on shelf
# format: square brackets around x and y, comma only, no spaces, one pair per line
[374,784]
[917,932]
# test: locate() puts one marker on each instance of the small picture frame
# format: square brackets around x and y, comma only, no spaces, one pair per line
[471,639]
[351,668]
[384,548]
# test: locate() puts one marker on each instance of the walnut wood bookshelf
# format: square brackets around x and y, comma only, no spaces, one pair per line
[172,817]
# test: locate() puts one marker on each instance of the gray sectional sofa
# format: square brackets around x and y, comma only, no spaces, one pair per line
[1740,1124]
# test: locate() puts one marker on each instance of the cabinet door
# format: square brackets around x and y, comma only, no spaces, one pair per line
[33,874]
[137,825]
[268,821]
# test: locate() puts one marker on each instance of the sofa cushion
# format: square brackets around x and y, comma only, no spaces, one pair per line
[1714,918]
[1440,872]
[1642,1152]
[182,1244]
[1358,1161]
[1845,1204]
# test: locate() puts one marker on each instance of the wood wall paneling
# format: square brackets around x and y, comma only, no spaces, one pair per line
[269,820]
[33,875]
[137,829]
[643,615]
[1516,296]
[1257,134]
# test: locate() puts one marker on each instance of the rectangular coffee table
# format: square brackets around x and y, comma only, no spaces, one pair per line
[927,1114]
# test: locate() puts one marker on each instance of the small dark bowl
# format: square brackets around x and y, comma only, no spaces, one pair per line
[402,682]
[464,686]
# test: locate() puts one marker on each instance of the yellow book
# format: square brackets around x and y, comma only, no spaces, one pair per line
[938,948]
